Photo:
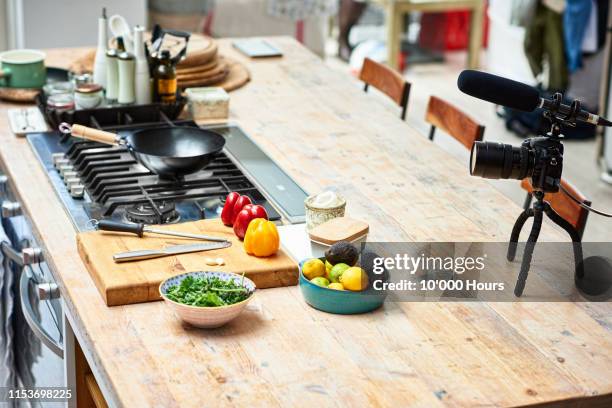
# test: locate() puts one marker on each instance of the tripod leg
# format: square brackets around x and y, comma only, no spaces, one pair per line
[516,231]
[574,235]
[529,248]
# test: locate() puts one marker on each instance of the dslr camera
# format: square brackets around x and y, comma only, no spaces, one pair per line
[540,158]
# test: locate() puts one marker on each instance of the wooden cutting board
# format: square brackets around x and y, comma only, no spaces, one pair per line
[136,282]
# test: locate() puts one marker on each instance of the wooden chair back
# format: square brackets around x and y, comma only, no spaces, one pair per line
[443,115]
[567,208]
[386,80]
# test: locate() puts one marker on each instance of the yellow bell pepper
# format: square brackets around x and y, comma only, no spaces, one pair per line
[261,238]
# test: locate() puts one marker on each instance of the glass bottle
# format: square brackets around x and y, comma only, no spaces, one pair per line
[164,79]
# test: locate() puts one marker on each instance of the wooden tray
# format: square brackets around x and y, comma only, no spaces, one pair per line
[137,282]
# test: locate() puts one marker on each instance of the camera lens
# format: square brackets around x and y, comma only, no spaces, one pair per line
[497,160]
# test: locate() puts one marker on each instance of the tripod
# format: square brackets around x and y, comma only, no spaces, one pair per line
[540,207]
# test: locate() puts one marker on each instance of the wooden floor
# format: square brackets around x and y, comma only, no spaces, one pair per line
[580,165]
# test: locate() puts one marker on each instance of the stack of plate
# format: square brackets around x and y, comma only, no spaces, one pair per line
[202,65]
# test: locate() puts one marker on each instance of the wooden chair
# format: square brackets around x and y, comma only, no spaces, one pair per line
[567,208]
[386,80]
[443,115]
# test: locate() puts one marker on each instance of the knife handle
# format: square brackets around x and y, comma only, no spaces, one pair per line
[108,225]
[138,255]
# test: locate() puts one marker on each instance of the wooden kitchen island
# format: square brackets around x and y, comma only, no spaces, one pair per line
[324,131]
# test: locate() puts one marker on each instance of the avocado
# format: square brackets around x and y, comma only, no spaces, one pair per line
[342,252]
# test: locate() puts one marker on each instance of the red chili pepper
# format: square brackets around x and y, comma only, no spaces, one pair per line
[227,214]
[248,213]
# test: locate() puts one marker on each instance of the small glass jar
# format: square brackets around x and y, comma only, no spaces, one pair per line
[88,96]
[60,102]
[58,88]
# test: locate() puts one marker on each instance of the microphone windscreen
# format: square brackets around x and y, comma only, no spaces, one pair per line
[499,90]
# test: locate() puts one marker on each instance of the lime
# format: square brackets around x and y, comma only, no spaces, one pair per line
[337,271]
[320,281]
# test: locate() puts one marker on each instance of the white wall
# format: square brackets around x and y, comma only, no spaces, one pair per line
[3,26]
[71,23]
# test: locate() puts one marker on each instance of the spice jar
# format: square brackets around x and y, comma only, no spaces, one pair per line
[60,102]
[88,96]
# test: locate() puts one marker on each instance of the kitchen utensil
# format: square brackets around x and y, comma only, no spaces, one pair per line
[135,282]
[112,75]
[140,229]
[168,251]
[207,317]
[29,94]
[157,41]
[22,69]
[99,68]
[170,152]
[341,301]
[142,79]
[339,229]
[26,120]
[119,27]
[126,68]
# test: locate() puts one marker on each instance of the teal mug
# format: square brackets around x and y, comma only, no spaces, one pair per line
[22,69]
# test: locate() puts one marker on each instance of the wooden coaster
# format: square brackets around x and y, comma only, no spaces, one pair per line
[204,75]
[238,76]
[18,94]
[339,229]
[200,50]
[205,67]
[204,81]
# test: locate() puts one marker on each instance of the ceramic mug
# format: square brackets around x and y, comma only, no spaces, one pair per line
[22,69]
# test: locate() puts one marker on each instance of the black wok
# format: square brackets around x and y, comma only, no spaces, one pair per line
[170,152]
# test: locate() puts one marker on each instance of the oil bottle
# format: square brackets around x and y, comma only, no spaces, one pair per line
[164,79]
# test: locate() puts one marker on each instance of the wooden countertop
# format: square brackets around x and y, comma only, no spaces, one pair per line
[324,131]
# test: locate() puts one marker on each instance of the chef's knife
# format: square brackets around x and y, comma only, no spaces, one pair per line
[173,250]
[140,229]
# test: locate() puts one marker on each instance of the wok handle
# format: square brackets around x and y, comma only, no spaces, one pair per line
[95,134]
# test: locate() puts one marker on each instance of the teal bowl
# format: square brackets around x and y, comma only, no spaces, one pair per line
[340,301]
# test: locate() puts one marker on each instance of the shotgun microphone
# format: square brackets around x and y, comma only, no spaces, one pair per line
[517,95]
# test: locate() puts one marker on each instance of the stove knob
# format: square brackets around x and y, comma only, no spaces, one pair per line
[10,209]
[61,162]
[72,181]
[63,169]
[48,291]
[77,190]
[57,156]
[32,255]
[70,175]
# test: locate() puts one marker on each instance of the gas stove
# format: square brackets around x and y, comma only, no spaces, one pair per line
[96,181]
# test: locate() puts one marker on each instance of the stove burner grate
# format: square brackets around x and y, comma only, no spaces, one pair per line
[152,212]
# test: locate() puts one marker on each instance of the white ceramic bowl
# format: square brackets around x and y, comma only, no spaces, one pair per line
[207,317]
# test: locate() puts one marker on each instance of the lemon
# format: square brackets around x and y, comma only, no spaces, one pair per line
[336,286]
[337,271]
[320,281]
[354,279]
[313,268]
